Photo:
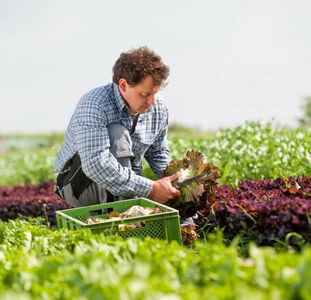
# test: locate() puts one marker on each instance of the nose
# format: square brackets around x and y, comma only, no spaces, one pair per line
[151,100]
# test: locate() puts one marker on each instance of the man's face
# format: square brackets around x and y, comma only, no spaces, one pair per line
[139,97]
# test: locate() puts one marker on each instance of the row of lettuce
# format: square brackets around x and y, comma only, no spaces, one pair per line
[76,264]
[266,212]
[249,151]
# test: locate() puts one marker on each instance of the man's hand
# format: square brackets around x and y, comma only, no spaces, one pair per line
[162,189]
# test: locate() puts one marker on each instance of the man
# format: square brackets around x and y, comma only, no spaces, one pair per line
[112,128]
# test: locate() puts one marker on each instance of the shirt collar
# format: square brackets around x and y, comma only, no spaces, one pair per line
[120,102]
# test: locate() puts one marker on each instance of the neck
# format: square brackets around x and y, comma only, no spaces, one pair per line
[122,94]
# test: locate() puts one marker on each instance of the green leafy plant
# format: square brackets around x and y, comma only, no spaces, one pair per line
[252,151]
[37,263]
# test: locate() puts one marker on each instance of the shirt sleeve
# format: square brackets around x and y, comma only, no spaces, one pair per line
[93,145]
[158,154]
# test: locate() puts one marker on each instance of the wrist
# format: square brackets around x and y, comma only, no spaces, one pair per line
[152,190]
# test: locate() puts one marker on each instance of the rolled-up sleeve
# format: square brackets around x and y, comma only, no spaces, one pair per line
[93,145]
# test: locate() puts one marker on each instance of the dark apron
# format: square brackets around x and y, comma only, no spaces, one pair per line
[75,177]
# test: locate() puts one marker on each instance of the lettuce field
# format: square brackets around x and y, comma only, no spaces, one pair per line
[254,231]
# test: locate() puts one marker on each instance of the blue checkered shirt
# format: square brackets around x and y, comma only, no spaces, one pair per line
[87,134]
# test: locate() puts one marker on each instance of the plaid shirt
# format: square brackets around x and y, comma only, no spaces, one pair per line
[87,134]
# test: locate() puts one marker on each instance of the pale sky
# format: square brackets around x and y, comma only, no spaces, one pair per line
[230,61]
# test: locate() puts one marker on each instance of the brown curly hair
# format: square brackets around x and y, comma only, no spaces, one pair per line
[136,64]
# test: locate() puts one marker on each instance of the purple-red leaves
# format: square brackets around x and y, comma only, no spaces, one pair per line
[269,208]
[30,200]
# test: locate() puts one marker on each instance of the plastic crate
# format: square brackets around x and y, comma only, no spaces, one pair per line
[164,225]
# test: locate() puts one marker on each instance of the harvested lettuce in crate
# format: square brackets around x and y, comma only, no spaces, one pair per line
[134,211]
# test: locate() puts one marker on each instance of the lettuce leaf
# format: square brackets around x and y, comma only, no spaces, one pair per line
[195,195]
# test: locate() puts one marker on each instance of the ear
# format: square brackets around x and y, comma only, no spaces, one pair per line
[123,84]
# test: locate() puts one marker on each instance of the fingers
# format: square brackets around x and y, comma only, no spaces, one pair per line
[174,176]
[162,189]
[177,193]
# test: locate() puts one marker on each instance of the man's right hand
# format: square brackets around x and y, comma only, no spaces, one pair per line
[162,189]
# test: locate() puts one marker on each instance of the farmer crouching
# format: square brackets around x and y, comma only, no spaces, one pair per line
[112,128]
